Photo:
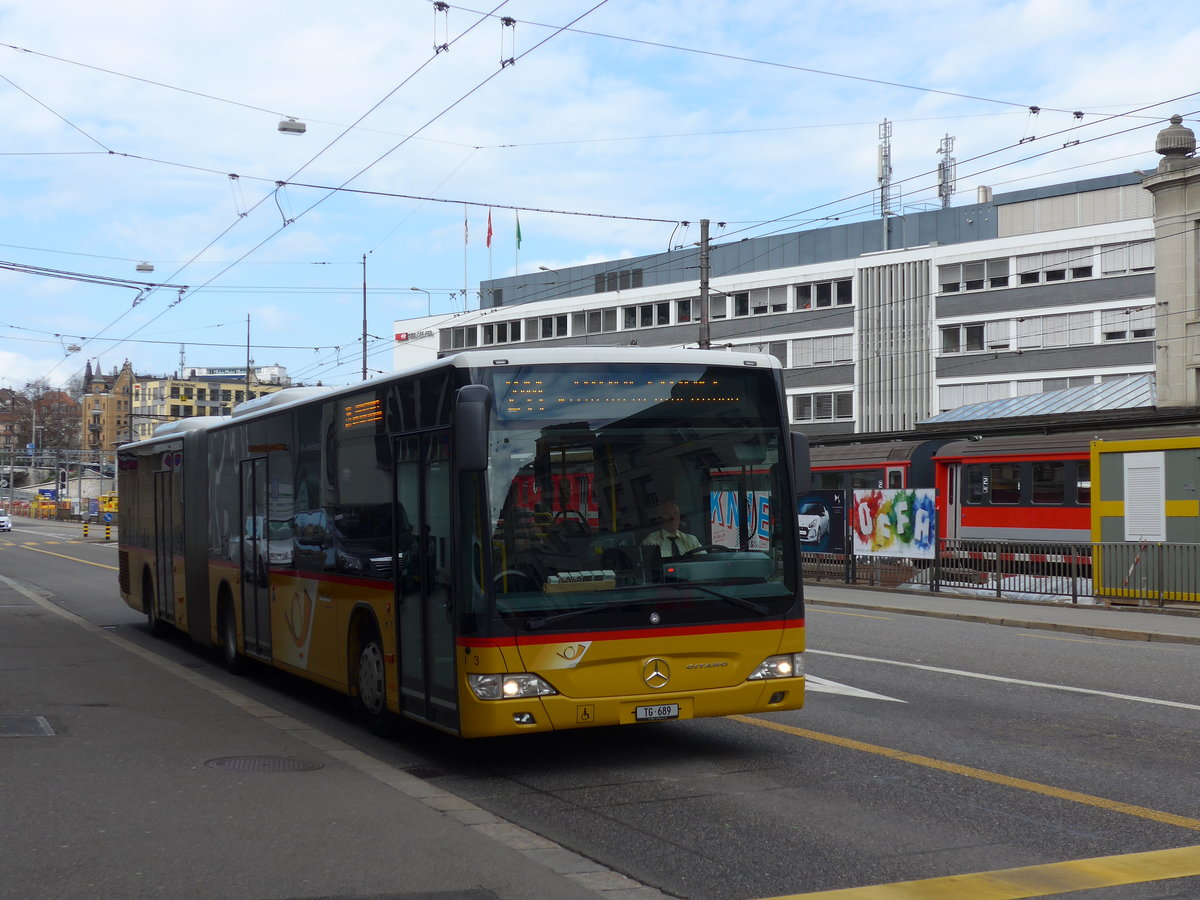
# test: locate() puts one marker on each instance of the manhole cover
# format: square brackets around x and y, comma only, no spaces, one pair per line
[263,764]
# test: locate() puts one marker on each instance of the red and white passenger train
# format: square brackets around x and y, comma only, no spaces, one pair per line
[1028,487]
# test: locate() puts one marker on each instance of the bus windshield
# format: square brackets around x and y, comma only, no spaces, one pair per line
[655,485]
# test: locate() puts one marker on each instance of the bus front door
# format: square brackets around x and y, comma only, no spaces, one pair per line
[423,578]
[252,558]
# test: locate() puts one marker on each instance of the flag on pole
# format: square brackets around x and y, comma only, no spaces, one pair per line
[489,233]
[466,227]
[518,231]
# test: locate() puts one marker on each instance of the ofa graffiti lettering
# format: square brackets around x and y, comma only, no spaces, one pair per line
[894,522]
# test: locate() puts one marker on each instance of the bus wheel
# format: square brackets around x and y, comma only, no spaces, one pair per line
[157,627]
[371,698]
[234,661]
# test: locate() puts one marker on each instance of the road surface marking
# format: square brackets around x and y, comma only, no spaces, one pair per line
[838,612]
[941,765]
[1004,680]
[817,685]
[71,558]
[1032,881]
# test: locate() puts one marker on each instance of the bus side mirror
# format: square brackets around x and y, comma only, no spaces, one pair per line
[801,464]
[473,408]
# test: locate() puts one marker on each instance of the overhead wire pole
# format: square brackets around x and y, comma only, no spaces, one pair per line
[364,336]
[705,341]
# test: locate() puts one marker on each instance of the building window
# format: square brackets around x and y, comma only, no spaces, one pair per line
[822,351]
[963,338]
[622,280]
[1127,324]
[1125,259]
[824,406]
[821,294]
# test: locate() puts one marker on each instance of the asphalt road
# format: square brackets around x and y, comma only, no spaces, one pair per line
[928,747]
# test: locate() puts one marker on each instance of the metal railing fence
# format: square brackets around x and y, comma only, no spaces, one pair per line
[1145,574]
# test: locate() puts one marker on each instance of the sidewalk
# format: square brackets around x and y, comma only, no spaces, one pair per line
[125,774]
[1179,624]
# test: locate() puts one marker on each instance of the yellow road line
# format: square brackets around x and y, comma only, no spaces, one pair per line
[1032,881]
[71,558]
[838,612]
[928,762]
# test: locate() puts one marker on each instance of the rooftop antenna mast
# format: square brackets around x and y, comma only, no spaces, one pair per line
[888,200]
[947,171]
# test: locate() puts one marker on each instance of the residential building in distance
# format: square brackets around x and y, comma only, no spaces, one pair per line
[205,392]
[106,408]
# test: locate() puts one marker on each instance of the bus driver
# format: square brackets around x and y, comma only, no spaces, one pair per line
[670,541]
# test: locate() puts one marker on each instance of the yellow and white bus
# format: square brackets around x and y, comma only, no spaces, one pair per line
[462,544]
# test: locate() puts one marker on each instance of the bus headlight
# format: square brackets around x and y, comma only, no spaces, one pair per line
[508,686]
[787,665]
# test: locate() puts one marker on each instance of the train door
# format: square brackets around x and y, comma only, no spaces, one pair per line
[167,538]
[952,492]
[423,584]
[252,556]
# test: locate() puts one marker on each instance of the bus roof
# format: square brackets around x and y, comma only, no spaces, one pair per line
[470,359]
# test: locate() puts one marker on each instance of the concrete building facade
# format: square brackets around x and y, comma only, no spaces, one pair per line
[881,325]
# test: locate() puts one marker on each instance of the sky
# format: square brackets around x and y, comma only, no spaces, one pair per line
[148,133]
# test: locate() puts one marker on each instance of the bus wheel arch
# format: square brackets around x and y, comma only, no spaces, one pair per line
[150,604]
[368,671]
[227,631]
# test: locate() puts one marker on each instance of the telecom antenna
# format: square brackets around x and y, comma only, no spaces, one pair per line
[947,171]
[887,191]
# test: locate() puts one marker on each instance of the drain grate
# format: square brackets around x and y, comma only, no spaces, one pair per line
[25,726]
[263,764]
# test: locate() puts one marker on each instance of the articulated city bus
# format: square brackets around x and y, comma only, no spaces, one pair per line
[463,544]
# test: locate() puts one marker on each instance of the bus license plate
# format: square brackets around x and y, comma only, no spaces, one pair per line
[662,711]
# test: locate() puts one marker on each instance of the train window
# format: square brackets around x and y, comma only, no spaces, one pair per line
[895,478]
[975,482]
[1049,483]
[1005,483]
[865,479]
[827,481]
[1083,482]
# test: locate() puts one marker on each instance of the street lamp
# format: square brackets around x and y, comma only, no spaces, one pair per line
[428,300]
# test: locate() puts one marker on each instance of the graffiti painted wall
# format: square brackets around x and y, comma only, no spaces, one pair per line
[894,523]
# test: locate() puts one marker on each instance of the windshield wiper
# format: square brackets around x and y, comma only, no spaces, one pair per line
[536,624]
[728,598]
[544,621]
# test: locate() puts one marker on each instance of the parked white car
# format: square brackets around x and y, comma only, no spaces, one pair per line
[814,521]
[5,521]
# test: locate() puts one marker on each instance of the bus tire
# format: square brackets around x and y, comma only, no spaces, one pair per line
[234,662]
[370,695]
[157,627]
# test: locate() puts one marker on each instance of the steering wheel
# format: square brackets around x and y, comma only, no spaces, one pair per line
[571,520]
[706,548]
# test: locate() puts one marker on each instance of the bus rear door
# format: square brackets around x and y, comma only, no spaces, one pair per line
[252,556]
[166,538]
